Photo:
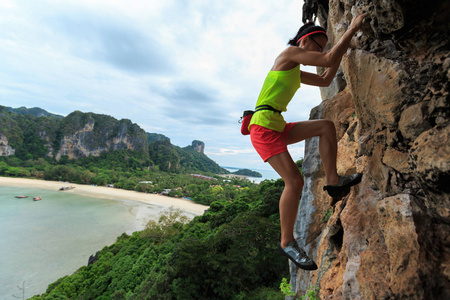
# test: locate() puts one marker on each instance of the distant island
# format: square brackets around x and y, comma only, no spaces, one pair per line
[247,172]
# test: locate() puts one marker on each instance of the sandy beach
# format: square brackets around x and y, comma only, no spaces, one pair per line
[107,193]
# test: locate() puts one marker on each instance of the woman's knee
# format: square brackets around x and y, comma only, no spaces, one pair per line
[295,182]
[328,130]
[329,126]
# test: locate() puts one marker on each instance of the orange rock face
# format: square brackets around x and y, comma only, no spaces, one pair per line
[389,238]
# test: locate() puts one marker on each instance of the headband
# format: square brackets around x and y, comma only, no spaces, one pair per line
[318,31]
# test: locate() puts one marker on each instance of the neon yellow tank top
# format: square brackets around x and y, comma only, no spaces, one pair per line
[277,91]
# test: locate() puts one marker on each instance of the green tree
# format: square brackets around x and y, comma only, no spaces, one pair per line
[169,224]
[218,267]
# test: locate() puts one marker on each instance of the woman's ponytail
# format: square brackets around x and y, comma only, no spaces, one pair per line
[306,29]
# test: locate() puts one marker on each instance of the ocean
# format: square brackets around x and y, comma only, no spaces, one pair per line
[41,241]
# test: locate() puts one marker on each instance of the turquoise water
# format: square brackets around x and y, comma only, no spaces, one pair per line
[41,241]
[266,174]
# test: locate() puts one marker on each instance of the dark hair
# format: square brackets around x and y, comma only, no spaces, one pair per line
[304,30]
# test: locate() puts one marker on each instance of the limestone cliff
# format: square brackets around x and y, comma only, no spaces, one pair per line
[5,147]
[88,134]
[389,238]
[198,146]
[28,134]
[76,135]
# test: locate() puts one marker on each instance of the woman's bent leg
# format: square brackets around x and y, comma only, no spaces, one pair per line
[326,132]
[337,186]
[289,172]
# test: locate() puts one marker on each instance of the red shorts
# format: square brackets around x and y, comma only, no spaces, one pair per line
[268,142]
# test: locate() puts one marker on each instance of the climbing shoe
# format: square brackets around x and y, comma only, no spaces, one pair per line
[297,256]
[343,187]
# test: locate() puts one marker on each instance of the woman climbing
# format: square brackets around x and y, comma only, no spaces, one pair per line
[270,134]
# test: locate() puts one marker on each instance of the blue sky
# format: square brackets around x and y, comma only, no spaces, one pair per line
[185,69]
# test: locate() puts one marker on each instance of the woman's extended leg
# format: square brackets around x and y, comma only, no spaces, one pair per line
[284,165]
[293,184]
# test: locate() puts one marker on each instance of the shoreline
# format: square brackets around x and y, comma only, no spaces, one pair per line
[237,176]
[108,193]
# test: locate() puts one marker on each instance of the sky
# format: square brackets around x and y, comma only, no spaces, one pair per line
[186,69]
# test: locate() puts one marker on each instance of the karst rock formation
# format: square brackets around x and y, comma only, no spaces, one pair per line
[389,238]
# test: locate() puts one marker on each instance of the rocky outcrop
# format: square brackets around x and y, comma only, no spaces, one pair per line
[91,134]
[198,146]
[389,238]
[5,148]
[93,258]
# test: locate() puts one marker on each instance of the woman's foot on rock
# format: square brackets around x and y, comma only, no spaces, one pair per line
[343,187]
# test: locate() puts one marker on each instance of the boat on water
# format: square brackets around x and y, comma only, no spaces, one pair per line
[37,198]
[65,188]
[21,196]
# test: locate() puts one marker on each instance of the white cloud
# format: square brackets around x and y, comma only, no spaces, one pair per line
[236,151]
[186,69]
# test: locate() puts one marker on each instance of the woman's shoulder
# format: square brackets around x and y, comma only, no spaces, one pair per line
[292,50]
[284,60]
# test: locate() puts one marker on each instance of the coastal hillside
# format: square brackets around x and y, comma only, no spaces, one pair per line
[388,239]
[35,133]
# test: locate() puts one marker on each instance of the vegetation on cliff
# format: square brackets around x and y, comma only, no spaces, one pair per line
[34,111]
[24,133]
[191,159]
[153,137]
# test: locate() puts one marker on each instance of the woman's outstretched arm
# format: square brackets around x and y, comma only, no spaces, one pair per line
[329,59]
